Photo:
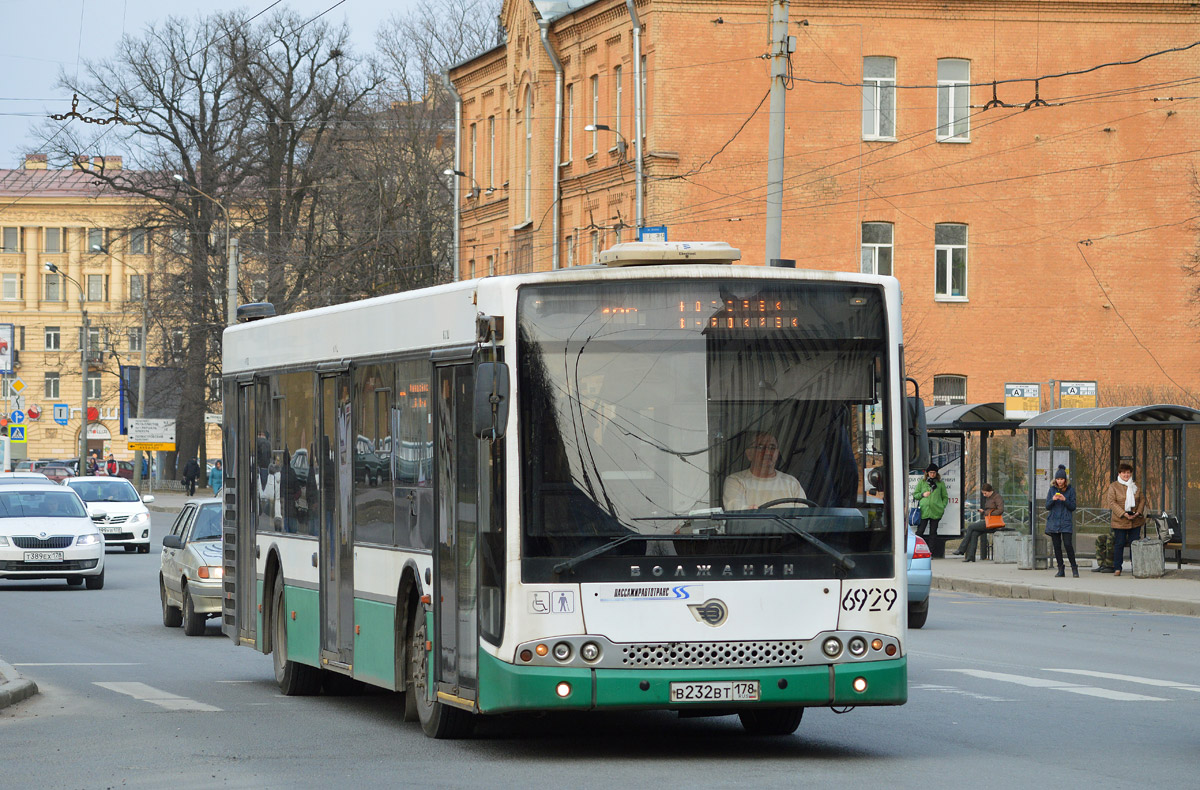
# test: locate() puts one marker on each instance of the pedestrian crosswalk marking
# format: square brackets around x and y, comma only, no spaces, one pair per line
[163,699]
[1032,682]
[1170,684]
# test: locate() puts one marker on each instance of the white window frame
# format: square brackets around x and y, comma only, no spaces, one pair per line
[52,287]
[14,235]
[954,95]
[137,293]
[60,246]
[99,280]
[93,385]
[96,238]
[51,384]
[876,90]
[12,286]
[949,381]
[52,338]
[570,256]
[943,262]
[570,102]
[643,98]
[528,154]
[595,111]
[618,95]
[474,157]
[491,152]
[870,250]
[135,338]
[138,238]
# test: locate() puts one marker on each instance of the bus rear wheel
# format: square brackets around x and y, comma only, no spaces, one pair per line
[437,720]
[295,680]
[771,721]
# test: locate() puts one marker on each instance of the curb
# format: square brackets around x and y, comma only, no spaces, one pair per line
[1142,603]
[13,687]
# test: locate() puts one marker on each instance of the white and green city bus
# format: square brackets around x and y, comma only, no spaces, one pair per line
[390,519]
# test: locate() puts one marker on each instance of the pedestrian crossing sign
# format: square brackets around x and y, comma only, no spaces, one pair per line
[16,433]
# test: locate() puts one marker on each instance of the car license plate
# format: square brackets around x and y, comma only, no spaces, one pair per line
[43,556]
[715,691]
[110,530]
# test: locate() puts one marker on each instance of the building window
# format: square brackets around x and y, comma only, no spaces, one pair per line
[94,342]
[52,385]
[53,241]
[474,157]
[643,97]
[529,154]
[949,390]
[53,291]
[137,241]
[97,287]
[96,240]
[595,247]
[53,338]
[618,95]
[879,99]
[569,143]
[137,287]
[178,241]
[258,289]
[12,240]
[135,338]
[492,152]
[570,250]
[954,99]
[595,109]
[93,386]
[876,248]
[13,286]
[950,261]
[177,342]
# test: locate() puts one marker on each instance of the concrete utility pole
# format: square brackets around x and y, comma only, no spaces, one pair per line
[780,47]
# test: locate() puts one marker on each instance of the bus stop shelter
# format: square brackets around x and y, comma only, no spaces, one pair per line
[1162,442]
[949,428]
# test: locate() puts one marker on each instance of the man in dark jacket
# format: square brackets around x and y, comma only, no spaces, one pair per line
[190,473]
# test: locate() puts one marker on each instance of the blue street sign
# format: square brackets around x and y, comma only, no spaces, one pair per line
[658,233]
[18,416]
[62,413]
[16,433]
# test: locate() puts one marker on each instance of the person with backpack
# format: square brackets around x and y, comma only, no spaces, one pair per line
[191,471]
[1060,520]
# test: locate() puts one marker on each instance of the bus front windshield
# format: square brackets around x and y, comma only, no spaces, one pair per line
[710,427]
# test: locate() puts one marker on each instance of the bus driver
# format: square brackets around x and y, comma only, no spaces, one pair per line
[762,482]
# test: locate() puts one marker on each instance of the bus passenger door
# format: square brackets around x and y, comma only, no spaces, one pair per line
[455,574]
[239,616]
[334,466]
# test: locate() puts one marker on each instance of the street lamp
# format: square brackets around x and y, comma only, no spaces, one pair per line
[83,362]
[622,143]
[230,263]
[475,190]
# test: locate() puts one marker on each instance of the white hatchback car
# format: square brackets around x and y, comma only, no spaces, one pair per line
[189,584]
[118,511]
[47,533]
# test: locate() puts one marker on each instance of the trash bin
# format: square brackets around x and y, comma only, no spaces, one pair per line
[1148,561]
[1025,552]
[1004,546]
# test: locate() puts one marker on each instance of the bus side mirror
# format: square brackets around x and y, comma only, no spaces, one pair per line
[491,400]
[916,434]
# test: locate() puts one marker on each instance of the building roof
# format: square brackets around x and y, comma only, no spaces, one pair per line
[550,10]
[50,183]
[1105,417]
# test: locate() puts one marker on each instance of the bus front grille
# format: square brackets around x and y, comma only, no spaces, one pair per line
[713,654]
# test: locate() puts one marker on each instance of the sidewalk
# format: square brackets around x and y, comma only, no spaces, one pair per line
[172,501]
[13,687]
[1178,592]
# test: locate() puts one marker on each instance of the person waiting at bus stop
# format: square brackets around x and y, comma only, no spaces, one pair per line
[1128,505]
[1060,516]
[761,482]
[991,508]
[931,497]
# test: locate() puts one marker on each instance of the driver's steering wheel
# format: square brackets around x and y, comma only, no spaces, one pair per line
[774,502]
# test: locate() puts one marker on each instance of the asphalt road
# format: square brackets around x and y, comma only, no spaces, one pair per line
[1003,694]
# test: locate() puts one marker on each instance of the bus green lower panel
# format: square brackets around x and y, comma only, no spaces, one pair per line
[887,683]
[304,630]
[375,643]
[504,687]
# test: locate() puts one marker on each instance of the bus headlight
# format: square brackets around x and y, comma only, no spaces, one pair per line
[857,647]
[562,651]
[590,651]
[832,647]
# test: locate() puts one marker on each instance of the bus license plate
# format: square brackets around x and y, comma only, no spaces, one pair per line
[715,691]
[43,556]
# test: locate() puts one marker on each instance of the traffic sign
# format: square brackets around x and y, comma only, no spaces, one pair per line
[62,413]
[148,434]
[17,386]
[16,433]
[18,416]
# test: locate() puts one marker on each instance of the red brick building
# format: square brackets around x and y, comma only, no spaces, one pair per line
[1039,227]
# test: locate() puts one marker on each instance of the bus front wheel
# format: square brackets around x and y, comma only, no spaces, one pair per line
[437,720]
[771,721]
[295,680]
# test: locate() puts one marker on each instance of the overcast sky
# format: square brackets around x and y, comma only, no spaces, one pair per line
[45,35]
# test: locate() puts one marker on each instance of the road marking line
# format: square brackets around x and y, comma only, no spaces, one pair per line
[83,664]
[237,681]
[163,699]
[1170,684]
[1090,691]
[962,692]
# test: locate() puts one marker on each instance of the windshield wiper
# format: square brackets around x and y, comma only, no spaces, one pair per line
[567,565]
[842,559]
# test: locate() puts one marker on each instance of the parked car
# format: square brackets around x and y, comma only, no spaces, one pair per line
[56,474]
[70,463]
[190,578]
[22,478]
[920,576]
[46,533]
[30,464]
[117,509]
